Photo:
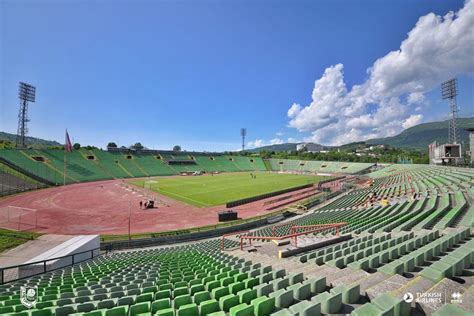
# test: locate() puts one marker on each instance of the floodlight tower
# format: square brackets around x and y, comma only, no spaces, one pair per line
[243,133]
[26,93]
[449,91]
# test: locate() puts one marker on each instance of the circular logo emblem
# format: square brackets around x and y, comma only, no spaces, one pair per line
[408,297]
[31,294]
[28,296]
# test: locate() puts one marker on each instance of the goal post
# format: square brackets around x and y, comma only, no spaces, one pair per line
[148,184]
[18,218]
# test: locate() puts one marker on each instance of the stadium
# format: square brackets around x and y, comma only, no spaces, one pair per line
[312,237]
[360,203]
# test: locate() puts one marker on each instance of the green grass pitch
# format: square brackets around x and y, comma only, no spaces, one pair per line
[205,191]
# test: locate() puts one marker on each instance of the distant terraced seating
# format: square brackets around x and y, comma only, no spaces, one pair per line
[414,203]
[12,182]
[318,166]
[91,165]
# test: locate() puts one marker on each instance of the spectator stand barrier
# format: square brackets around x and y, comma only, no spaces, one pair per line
[316,229]
[23,271]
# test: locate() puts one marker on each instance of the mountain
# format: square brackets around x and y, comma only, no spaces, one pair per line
[277,147]
[417,137]
[289,147]
[421,135]
[29,140]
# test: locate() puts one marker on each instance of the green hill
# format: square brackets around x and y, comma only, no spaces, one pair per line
[419,136]
[277,147]
[29,140]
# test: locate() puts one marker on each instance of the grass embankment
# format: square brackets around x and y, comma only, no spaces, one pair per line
[10,239]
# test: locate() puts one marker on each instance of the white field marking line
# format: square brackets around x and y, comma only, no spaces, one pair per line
[177,183]
[185,198]
[247,185]
[23,208]
[260,182]
[197,185]
[223,189]
[236,187]
[268,181]
[199,193]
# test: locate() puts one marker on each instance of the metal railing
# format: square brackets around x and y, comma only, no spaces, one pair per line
[266,195]
[231,234]
[26,270]
[294,235]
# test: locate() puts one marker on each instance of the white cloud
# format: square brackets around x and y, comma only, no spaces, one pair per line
[416,98]
[276,141]
[294,110]
[256,143]
[293,140]
[436,49]
[260,142]
[280,134]
[412,120]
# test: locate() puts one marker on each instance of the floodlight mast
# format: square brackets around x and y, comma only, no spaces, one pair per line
[449,91]
[26,93]
[243,133]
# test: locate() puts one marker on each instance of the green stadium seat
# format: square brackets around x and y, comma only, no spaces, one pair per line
[392,305]
[305,308]
[188,310]
[330,303]
[242,310]
[283,298]
[451,310]
[160,304]
[228,301]
[209,306]
[263,305]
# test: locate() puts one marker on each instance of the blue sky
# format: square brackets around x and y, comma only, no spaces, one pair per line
[194,72]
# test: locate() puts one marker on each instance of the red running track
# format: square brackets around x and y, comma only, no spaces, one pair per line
[103,208]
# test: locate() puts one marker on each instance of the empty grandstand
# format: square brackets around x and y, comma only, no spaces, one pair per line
[407,233]
[92,165]
[359,223]
[289,165]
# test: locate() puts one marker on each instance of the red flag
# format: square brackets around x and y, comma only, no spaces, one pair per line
[68,145]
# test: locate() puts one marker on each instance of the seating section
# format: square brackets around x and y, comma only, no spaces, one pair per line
[11,181]
[406,221]
[318,166]
[409,229]
[188,280]
[91,165]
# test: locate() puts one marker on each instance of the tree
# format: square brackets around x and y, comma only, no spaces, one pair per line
[137,146]
[112,145]
[6,144]
[177,148]
[76,146]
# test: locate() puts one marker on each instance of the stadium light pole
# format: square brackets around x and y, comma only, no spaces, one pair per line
[26,93]
[449,91]
[243,133]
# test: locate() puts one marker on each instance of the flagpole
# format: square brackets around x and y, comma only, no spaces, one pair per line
[66,149]
[65,168]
